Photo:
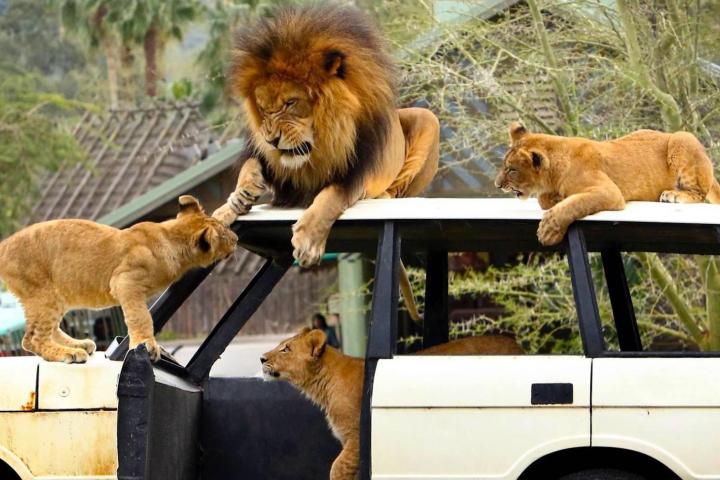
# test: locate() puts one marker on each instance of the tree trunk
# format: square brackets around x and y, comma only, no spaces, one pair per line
[127,62]
[150,45]
[112,59]
[560,81]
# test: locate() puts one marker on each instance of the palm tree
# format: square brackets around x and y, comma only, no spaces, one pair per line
[151,23]
[89,19]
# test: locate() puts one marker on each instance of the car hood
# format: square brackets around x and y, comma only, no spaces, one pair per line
[30,383]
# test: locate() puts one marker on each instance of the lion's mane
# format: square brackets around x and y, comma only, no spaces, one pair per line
[338,55]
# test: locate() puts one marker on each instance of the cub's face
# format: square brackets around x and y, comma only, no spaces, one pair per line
[210,239]
[519,174]
[522,167]
[294,359]
[284,117]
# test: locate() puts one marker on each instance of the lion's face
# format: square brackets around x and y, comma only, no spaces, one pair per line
[519,174]
[284,111]
[296,358]
[211,240]
[522,167]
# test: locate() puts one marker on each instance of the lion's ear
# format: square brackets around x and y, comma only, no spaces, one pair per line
[189,205]
[537,160]
[207,240]
[316,339]
[517,131]
[334,63]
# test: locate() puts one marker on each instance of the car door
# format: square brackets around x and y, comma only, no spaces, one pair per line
[476,416]
[667,408]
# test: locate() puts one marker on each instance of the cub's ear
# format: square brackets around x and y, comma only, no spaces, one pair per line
[537,160]
[189,205]
[517,131]
[334,63]
[316,340]
[207,240]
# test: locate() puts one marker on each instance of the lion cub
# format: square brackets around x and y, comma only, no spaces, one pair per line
[334,382]
[575,177]
[54,267]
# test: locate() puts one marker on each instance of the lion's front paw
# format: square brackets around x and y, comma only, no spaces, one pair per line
[308,245]
[550,231]
[225,215]
[154,350]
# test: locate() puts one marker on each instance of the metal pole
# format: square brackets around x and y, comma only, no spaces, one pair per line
[352,278]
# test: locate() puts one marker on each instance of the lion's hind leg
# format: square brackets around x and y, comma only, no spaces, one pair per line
[42,315]
[694,171]
[422,139]
[63,338]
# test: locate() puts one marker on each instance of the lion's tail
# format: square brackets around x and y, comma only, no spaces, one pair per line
[714,194]
[407,294]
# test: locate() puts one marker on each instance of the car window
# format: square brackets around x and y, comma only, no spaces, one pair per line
[527,296]
[676,298]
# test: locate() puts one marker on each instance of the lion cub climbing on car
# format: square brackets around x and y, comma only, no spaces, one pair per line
[575,177]
[54,267]
[334,381]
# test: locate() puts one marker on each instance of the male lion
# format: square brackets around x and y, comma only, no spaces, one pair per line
[334,381]
[575,177]
[57,266]
[318,92]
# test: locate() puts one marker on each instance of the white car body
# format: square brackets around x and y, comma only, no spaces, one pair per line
[432,417]
[58,421]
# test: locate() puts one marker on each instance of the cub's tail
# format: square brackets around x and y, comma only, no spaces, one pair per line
[714,194]
[407,294]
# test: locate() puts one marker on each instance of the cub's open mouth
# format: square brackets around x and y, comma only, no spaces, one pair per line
[270,372]
[303,149]
[518,193]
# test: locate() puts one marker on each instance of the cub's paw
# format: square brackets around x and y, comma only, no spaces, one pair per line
[75,355]
[308,245]
[153,349]
[669,196]
[88,345]
[225,215]
[550,231]
[151,345]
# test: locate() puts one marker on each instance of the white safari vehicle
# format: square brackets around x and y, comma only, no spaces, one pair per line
[618,410]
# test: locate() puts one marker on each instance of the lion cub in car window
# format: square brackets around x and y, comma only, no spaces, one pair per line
[334,381]
[57,266]
[575,177]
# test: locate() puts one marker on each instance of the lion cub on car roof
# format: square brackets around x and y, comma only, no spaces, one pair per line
[57,266]
[574,177]
[334,381]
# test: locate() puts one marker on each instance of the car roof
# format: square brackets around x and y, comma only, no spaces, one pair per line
[494,209]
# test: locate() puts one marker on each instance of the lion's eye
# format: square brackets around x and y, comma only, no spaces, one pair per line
[285,350]
[291,102]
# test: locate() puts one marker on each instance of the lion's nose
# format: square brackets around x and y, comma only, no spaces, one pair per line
[275,141]
[263,360]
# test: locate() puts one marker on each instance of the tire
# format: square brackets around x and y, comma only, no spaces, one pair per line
[7,473]
[602,474]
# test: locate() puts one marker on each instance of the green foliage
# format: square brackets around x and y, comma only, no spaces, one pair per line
[224,17]
[33,140]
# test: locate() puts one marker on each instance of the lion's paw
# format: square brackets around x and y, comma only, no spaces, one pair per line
[153,349]
[550,231]
[89,346]
[308,245]
[669,196]
[225,215]
[74,355]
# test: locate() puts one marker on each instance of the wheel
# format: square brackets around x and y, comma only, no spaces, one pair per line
[602,474]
